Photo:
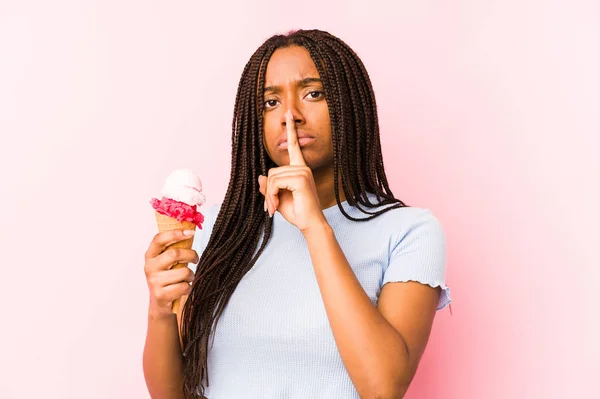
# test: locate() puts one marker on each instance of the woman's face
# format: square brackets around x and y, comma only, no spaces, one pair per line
[293,83]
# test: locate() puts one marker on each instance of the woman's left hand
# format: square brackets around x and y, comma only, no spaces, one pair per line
[291,189]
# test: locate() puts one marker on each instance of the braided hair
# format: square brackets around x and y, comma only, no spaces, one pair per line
[242,221]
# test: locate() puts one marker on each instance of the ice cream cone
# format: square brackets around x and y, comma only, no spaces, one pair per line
[166,223]
[179,209]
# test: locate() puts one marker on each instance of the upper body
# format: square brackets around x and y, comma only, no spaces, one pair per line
[274,339]
[327,304]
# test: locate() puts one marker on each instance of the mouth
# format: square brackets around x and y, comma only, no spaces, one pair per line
[302,141]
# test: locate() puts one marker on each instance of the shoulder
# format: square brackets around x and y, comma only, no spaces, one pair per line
[401,219]
[410,221]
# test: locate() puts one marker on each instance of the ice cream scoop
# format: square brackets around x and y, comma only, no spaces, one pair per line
[181,197]
[185,186]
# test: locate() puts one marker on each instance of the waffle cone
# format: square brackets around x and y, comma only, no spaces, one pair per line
[166,223]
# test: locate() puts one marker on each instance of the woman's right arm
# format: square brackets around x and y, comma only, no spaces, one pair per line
[163,359]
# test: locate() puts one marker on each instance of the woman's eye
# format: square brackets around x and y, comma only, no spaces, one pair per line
[270,103]
[316,94]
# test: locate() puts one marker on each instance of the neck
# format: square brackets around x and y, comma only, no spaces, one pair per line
[325,187]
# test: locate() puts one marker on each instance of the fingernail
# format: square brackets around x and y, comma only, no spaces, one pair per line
[188,233]
[265,205]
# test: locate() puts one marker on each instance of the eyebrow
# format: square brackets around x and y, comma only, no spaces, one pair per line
[301,83]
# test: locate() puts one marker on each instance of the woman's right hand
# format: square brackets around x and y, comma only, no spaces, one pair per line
[164,282]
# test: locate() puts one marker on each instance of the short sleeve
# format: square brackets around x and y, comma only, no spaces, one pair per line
[203,235]
[419,254]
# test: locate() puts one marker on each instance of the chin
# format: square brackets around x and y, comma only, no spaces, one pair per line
[319,164]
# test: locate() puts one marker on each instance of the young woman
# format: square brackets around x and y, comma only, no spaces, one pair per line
[313,280]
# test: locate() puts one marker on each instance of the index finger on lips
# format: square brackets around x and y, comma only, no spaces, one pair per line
[162,240]
[294,151]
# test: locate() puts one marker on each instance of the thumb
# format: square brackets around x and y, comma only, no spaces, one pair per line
[262,182]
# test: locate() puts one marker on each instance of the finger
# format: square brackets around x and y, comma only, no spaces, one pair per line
[282,170]
[272,197]
[268,203]
[270,207]
[170,258]
[294,151]
[162,240]
[171,292]
[174,276]
[290,181]
[262,182]
[286,169]
[262,186]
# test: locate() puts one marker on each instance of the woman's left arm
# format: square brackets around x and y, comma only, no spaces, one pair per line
[380,346]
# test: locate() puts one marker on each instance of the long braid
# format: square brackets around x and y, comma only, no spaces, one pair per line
[363,168]
[352,122]
[242,229]
[334,92]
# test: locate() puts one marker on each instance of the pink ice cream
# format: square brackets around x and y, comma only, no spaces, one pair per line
[181,197]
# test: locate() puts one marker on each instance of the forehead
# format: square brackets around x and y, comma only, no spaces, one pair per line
[290,63]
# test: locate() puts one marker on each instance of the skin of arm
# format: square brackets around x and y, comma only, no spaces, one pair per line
[163,359]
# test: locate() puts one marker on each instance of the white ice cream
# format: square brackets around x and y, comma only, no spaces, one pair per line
[183,185]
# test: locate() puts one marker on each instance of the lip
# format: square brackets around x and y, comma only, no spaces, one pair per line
[303,139]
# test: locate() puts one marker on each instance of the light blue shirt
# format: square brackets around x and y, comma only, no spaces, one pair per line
[274,340]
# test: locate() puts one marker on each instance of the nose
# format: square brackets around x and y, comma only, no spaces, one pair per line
[296,113]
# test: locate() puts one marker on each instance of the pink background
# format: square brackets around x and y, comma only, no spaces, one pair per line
[489,117]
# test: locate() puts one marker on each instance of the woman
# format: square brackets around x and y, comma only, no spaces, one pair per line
[314,281]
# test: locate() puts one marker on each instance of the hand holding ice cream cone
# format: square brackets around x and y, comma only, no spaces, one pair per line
[166,283]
